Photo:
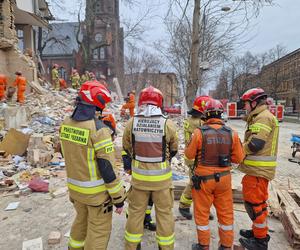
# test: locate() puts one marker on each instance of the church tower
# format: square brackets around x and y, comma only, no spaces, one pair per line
[103,39]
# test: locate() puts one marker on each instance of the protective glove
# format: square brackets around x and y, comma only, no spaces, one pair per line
[127,162]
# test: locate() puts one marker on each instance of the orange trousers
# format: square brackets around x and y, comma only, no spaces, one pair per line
[220,195]
[21,96]
[129,106]
[255,192]
[2,93]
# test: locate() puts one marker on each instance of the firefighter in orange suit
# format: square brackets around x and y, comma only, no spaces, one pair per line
[129,104]
[20,83]
[3,84]
[190,124]
[90,162]
[214,147]
[260,145]
[151,140]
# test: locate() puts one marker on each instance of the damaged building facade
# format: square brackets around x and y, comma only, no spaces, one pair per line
[19,20]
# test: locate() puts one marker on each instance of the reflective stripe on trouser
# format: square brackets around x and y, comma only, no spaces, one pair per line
[137,204]
[92,226]
[186,196]
[219,194]
[255,191]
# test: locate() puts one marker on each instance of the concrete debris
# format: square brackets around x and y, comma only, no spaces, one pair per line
[54,237]
[35,244]
[12,206]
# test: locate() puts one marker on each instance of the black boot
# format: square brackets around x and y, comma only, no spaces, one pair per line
[148,223]
[255,243]
[138,247]
[185,212]
[197,246]
[211,216]
[247,233]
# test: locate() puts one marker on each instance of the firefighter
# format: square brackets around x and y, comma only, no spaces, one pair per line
[129,104]
[90,162]
[214,146]
[102,80]
[194,121]
[3,84]
[55,77]
[20,83]
[75,79]
[260,145]
[85,77]
[92,76]
[151,140]
[148,222]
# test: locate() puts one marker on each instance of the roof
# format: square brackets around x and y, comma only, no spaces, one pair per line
[61,39]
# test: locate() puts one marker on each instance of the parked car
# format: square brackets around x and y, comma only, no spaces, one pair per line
[174,109]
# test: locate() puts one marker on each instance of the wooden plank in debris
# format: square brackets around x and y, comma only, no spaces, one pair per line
[286,199]
[297,192]
[296,214]
[273,201]
[291,227]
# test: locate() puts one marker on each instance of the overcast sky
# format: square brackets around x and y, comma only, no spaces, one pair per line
[278,24]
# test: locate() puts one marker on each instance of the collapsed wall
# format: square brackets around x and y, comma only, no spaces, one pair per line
[11,58]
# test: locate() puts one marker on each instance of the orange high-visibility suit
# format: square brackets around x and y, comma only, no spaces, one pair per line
[3,83]
[20,83]
[259,166]
[214,180]
[129,105]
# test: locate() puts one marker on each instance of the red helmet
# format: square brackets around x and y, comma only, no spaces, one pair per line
[199,105]
[95,94]
[253,94]
[213,105]
[152,96]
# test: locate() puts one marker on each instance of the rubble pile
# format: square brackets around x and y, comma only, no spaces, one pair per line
[29,152]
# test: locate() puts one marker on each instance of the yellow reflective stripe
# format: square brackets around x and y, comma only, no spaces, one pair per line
[185,200]
[148,211]
[135,163]
[75,243]
[87,190]
[260,163]
[164,241]
[123,152]
[74,134]
[116,188]
[103,144]
[257,126]
[163,165]
[92,164]
[141,177]
[275,137]
[135,238]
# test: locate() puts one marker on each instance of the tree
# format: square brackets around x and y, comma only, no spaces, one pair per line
[209,37]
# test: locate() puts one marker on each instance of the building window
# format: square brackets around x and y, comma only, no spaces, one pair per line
[98,7]
[95,54]
[20,34]
[102,53]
